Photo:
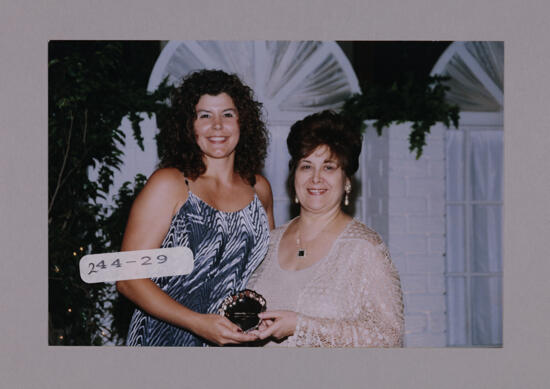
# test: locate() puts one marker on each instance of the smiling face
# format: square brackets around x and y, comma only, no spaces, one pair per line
[217,126]
[319,181]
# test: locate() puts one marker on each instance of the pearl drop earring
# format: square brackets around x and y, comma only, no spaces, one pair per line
[347,189]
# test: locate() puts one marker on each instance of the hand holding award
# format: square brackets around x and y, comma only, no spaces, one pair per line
[242,309]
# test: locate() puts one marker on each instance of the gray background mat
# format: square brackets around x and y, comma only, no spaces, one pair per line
[26,361]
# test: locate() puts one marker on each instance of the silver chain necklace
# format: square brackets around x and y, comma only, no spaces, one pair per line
[301,249]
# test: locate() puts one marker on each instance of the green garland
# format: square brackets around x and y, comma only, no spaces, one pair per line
[421,102]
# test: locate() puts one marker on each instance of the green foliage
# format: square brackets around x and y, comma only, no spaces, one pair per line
[91,90]
[421,102]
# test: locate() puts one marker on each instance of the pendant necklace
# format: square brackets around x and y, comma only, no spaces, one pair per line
[301,249]
[301,253]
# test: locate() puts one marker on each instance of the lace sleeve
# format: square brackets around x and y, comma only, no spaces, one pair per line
[375,313]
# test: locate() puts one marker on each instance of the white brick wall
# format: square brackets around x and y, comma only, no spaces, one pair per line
[412,222]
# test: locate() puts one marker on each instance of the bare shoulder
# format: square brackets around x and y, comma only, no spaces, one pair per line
[165,187]
[262,184]
[153,209]
[263,189]
[167,177]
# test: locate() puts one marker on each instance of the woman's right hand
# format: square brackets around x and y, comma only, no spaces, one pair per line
[219,330]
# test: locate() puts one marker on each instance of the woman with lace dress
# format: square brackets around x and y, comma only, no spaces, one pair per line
[328,279]
[207,195]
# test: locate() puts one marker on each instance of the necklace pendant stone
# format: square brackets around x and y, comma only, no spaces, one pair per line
[301,252]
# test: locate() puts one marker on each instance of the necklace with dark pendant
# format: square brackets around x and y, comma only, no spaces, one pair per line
[301,253]
[301,249]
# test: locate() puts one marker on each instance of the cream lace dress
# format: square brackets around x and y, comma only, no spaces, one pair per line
[350,298]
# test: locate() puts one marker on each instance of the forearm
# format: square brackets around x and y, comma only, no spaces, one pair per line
[151,299]
[212,327]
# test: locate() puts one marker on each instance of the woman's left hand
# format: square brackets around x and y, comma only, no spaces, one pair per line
[279,324]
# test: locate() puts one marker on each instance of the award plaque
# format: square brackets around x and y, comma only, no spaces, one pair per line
[242,309]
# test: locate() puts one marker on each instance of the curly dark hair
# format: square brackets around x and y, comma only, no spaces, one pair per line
[323,128]
[177,143]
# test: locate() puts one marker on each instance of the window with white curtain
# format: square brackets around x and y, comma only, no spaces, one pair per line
[474,192]
[474,232]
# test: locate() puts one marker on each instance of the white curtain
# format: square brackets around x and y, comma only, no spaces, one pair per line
[474,238]
[474,193]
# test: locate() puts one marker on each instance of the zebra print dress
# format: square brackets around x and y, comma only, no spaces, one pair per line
[227,247]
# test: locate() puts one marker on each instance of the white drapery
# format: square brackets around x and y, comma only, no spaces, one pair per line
[474,240]
[474,193]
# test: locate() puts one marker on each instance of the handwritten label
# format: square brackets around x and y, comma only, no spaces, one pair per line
[130,265]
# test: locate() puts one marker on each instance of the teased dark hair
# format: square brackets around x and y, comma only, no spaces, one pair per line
[177,143]
[323,128]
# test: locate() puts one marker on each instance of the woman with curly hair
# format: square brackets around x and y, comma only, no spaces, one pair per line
[207,195]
